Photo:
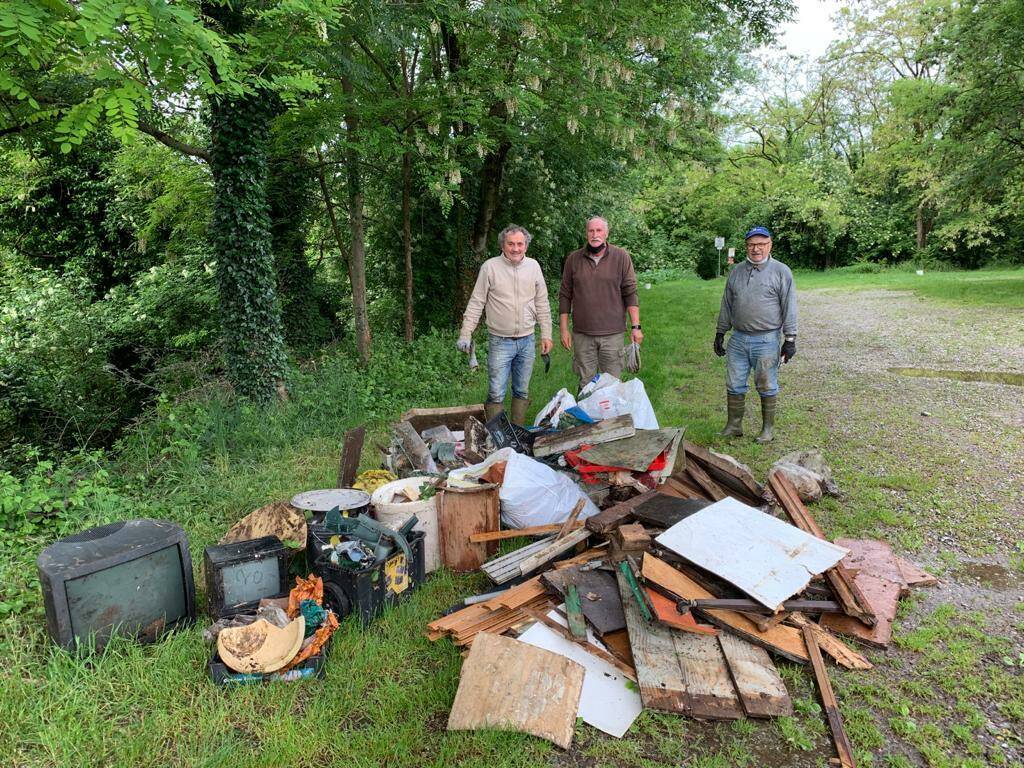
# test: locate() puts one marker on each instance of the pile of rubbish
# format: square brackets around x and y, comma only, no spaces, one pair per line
[661,574]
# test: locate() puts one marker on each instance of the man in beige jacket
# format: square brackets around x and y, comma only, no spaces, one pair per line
[511,290]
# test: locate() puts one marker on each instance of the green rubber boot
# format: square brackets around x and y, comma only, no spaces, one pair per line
[519,406]
[767,419]
[492,409]
[734,425]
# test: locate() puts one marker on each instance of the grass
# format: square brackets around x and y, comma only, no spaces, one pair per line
[933,700]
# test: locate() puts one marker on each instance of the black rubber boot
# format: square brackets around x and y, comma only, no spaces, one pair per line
[734,425]
[767,419]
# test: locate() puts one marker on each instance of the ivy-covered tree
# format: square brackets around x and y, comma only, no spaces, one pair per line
[145,62]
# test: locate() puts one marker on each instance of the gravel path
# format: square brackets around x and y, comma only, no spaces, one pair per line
[966,436]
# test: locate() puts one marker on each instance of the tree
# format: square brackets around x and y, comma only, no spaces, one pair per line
[145,60]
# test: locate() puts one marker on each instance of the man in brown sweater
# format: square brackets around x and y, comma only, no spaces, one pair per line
[599,290]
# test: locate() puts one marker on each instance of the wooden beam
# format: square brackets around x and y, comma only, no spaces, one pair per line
[709,486]
[725,473]
[613,516]
[835,720]
[842,581]
[351,451]
[553,550]
[761,690]
[585,434]
[515,533]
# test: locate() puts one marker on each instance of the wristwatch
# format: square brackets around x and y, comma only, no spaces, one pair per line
[635,327]
[789,338]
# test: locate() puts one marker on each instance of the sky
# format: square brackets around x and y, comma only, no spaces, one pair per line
[811,31]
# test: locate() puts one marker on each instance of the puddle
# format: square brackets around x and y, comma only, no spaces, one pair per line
[989,377]
[989,575]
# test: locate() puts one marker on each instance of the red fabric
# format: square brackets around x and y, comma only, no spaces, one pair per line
[590,471]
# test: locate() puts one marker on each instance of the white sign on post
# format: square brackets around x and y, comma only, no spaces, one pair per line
[719,243]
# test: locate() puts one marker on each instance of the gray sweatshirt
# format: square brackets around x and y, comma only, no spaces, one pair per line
[759,299]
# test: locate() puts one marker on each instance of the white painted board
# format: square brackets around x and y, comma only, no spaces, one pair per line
[767,558]
[610,701]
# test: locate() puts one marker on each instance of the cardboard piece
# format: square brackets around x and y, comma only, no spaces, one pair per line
[511,685]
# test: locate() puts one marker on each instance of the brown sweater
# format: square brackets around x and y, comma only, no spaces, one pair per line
[597,294]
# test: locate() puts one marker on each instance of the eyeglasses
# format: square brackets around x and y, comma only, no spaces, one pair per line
[751,246]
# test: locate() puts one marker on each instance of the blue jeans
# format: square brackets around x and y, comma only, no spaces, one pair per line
[753,351]
[506,357]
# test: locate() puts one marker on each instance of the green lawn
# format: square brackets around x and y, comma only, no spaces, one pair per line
[386,697]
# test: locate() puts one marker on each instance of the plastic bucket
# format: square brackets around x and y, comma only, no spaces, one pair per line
[395,515]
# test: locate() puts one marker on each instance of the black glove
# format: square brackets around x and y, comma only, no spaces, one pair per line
[788,350]
[720,344]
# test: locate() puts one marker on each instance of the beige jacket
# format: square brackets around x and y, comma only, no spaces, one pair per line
[514,296]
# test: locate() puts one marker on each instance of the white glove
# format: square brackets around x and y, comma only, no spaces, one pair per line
[463,345]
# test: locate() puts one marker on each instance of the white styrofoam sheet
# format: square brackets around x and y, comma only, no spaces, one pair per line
[609,701]
[767,558]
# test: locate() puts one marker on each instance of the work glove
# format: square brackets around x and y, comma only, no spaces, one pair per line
[463,345]
[720,344]
[788,350]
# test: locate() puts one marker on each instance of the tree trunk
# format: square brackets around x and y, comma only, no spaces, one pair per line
[357,249]
[407,242]
[922,227]
[307,314]
[490,195]
[240,234]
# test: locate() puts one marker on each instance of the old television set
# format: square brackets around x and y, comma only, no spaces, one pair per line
[240,574]
[131,578]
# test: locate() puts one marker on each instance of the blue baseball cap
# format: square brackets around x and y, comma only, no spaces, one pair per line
[757,231]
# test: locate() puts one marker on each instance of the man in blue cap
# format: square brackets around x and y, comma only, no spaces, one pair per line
[759,305]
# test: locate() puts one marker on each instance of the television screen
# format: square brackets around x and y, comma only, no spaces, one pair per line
[137,597]
[241,573]
[245,582]
[131,578]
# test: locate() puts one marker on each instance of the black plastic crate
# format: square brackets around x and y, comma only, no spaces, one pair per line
[368,591]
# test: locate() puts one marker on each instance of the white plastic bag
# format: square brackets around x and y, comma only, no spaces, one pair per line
[618,399]
[534,494]
[600,381]
[551,412]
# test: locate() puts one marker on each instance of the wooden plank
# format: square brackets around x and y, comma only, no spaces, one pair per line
[843,654]
[461,512]
[618,644]
[570,521]
[785,641]
[594,553]
[351,451]
[835,720]
[599,597]
[709,686]
[709,486]
[883,597]
[678,672]
[613,516]
[661,682]
[584,434]
[506,567]
[874,557]
[840,578]
[510,685]
[515,533]
[766,622]
[725,473]
[453,417]
[517,595]
[675,487]
[665,611]
[761,690]
[663,511]
[553,550]
[914,576]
